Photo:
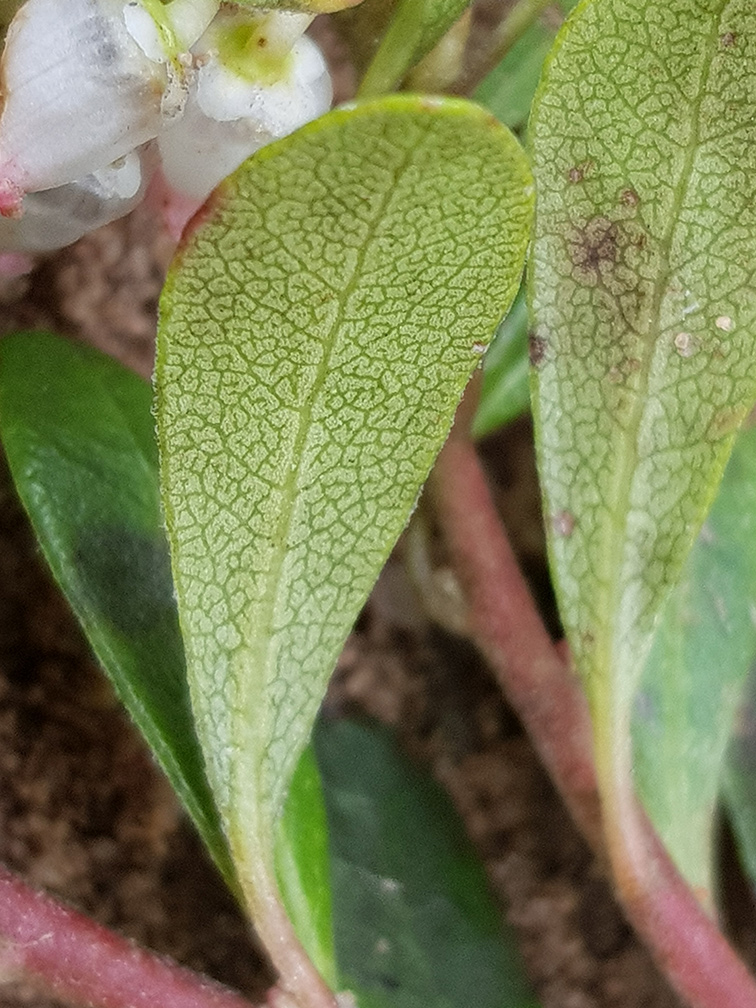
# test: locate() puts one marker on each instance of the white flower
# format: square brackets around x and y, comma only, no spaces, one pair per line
[79,94]
[54,218]
[234,109]
[86,84]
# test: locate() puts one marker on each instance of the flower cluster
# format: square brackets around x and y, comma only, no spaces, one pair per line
[98,95]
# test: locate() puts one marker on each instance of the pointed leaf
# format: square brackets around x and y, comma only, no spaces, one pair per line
[316,333]
[695,674]
[644,153]
[415,924]
[78,432]
[414,29]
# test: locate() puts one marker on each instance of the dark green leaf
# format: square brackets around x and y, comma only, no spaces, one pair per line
[415,924]
[506,373]
[78,432]
[508,89]
[739,778]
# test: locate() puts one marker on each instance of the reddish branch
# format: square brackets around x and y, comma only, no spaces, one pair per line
[86,964]
[687,945]
[510,633]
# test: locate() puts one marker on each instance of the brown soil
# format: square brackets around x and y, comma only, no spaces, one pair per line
[85,814]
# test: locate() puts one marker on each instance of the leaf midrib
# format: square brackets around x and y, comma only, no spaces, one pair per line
[615,538]
[264,635]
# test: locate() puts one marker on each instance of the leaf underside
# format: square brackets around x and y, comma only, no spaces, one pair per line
[643,306]
[316,333]
[78,430]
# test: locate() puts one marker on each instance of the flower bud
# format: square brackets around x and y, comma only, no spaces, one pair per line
[79,93]
[237,103]
[57,217]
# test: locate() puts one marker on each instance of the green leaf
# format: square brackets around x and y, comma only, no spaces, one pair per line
[506,391]
[80,441]
[415,924]
[302,858]
[362,28]
[694,677]
[316,334]
[644,152]
[414,29]
[508,89]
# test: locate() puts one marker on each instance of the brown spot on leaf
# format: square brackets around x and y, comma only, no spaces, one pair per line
[536,349]
[593,248]
[728,40]
[629,197]
[579,172]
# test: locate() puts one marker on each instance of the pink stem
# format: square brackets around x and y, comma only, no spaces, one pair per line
[694,956]
[509,631]
[86,964]
[685,942]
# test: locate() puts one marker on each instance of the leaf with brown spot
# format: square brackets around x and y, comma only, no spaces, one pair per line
[634,262]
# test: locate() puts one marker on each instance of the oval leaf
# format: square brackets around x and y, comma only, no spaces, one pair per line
[644,153]
[315,336]
[695,674]
[78,432]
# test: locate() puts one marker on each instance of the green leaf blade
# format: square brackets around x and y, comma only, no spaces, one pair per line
[415,923]
[695,675]
[315,336]
[739,779]
[643,308]
[505,391]
[79,436]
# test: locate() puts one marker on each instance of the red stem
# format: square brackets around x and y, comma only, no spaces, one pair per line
[686,943]
[509,631]
[694,956]
[86,964]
